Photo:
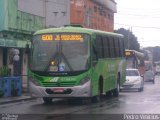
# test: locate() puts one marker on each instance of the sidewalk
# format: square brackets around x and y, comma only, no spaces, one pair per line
[23,97]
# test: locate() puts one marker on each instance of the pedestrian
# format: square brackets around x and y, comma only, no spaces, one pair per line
[16,62]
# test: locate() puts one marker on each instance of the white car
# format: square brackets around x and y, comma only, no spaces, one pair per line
[133,80]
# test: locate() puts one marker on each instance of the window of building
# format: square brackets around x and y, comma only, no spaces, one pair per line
[95,9]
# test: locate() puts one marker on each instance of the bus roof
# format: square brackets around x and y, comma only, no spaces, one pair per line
[75,29]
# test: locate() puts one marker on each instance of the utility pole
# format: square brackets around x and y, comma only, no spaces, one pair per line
[45,11]
[129,30]
[128,38]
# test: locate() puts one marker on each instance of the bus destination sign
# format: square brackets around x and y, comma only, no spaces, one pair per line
[64,37]
[128,53]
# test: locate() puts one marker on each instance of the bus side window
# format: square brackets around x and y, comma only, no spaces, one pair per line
[94,54]
[111,46]
[119,47]
[115,47]
[106,47]
[99,46]
[122,48]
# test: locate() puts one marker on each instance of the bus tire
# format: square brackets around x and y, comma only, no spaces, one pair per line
[109,94]
[97,98]
[116,91]
[47,100]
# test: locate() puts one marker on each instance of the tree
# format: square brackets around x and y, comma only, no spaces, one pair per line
[129,38]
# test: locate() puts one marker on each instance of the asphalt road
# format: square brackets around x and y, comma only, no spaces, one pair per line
[128,102]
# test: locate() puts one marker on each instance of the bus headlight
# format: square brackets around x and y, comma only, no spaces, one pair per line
[85,80]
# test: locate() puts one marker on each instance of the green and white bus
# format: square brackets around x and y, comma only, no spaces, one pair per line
[76,62]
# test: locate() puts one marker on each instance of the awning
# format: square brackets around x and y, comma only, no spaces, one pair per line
[13,43]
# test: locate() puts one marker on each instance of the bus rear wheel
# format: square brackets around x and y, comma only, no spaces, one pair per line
[47,100]
[116,91]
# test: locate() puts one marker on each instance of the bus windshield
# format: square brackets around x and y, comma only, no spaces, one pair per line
[64,52]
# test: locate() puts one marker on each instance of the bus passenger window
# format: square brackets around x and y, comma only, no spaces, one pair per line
[116,42]
[99,46]
[106,47]
[112,48]
[94,55]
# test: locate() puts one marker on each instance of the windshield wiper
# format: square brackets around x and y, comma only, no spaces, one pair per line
[65,59]
[54,56]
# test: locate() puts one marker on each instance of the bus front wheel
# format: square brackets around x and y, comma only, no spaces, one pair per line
[47,100]
[97,98]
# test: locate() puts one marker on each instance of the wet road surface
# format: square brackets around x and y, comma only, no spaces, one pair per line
[128,102]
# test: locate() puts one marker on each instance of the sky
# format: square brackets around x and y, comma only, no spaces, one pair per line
[142,17]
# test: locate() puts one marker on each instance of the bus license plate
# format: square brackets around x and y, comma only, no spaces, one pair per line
[58,90]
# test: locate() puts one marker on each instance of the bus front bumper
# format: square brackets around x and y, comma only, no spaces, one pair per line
[61,92]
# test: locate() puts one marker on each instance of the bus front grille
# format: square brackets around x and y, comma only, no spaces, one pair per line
[59,84]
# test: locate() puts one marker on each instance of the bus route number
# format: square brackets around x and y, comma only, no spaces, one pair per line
[47,37]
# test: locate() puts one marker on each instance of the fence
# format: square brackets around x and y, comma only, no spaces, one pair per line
[10,86]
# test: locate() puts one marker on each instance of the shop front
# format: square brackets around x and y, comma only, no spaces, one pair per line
[13,57]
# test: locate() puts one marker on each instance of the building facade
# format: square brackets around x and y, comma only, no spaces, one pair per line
[20,18]
[95,14]
[16,27]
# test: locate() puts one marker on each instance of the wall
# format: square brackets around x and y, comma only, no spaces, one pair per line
[21,20]
[91,14]
[77,12]
[56,12]
[3,9]
[12,19]
[32,6]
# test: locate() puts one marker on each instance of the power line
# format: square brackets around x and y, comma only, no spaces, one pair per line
[138,9]
[149,41]
[138,15]
[138,26]
[140,12]
[129,17]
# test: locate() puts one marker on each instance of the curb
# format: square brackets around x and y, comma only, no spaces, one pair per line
[16,100]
